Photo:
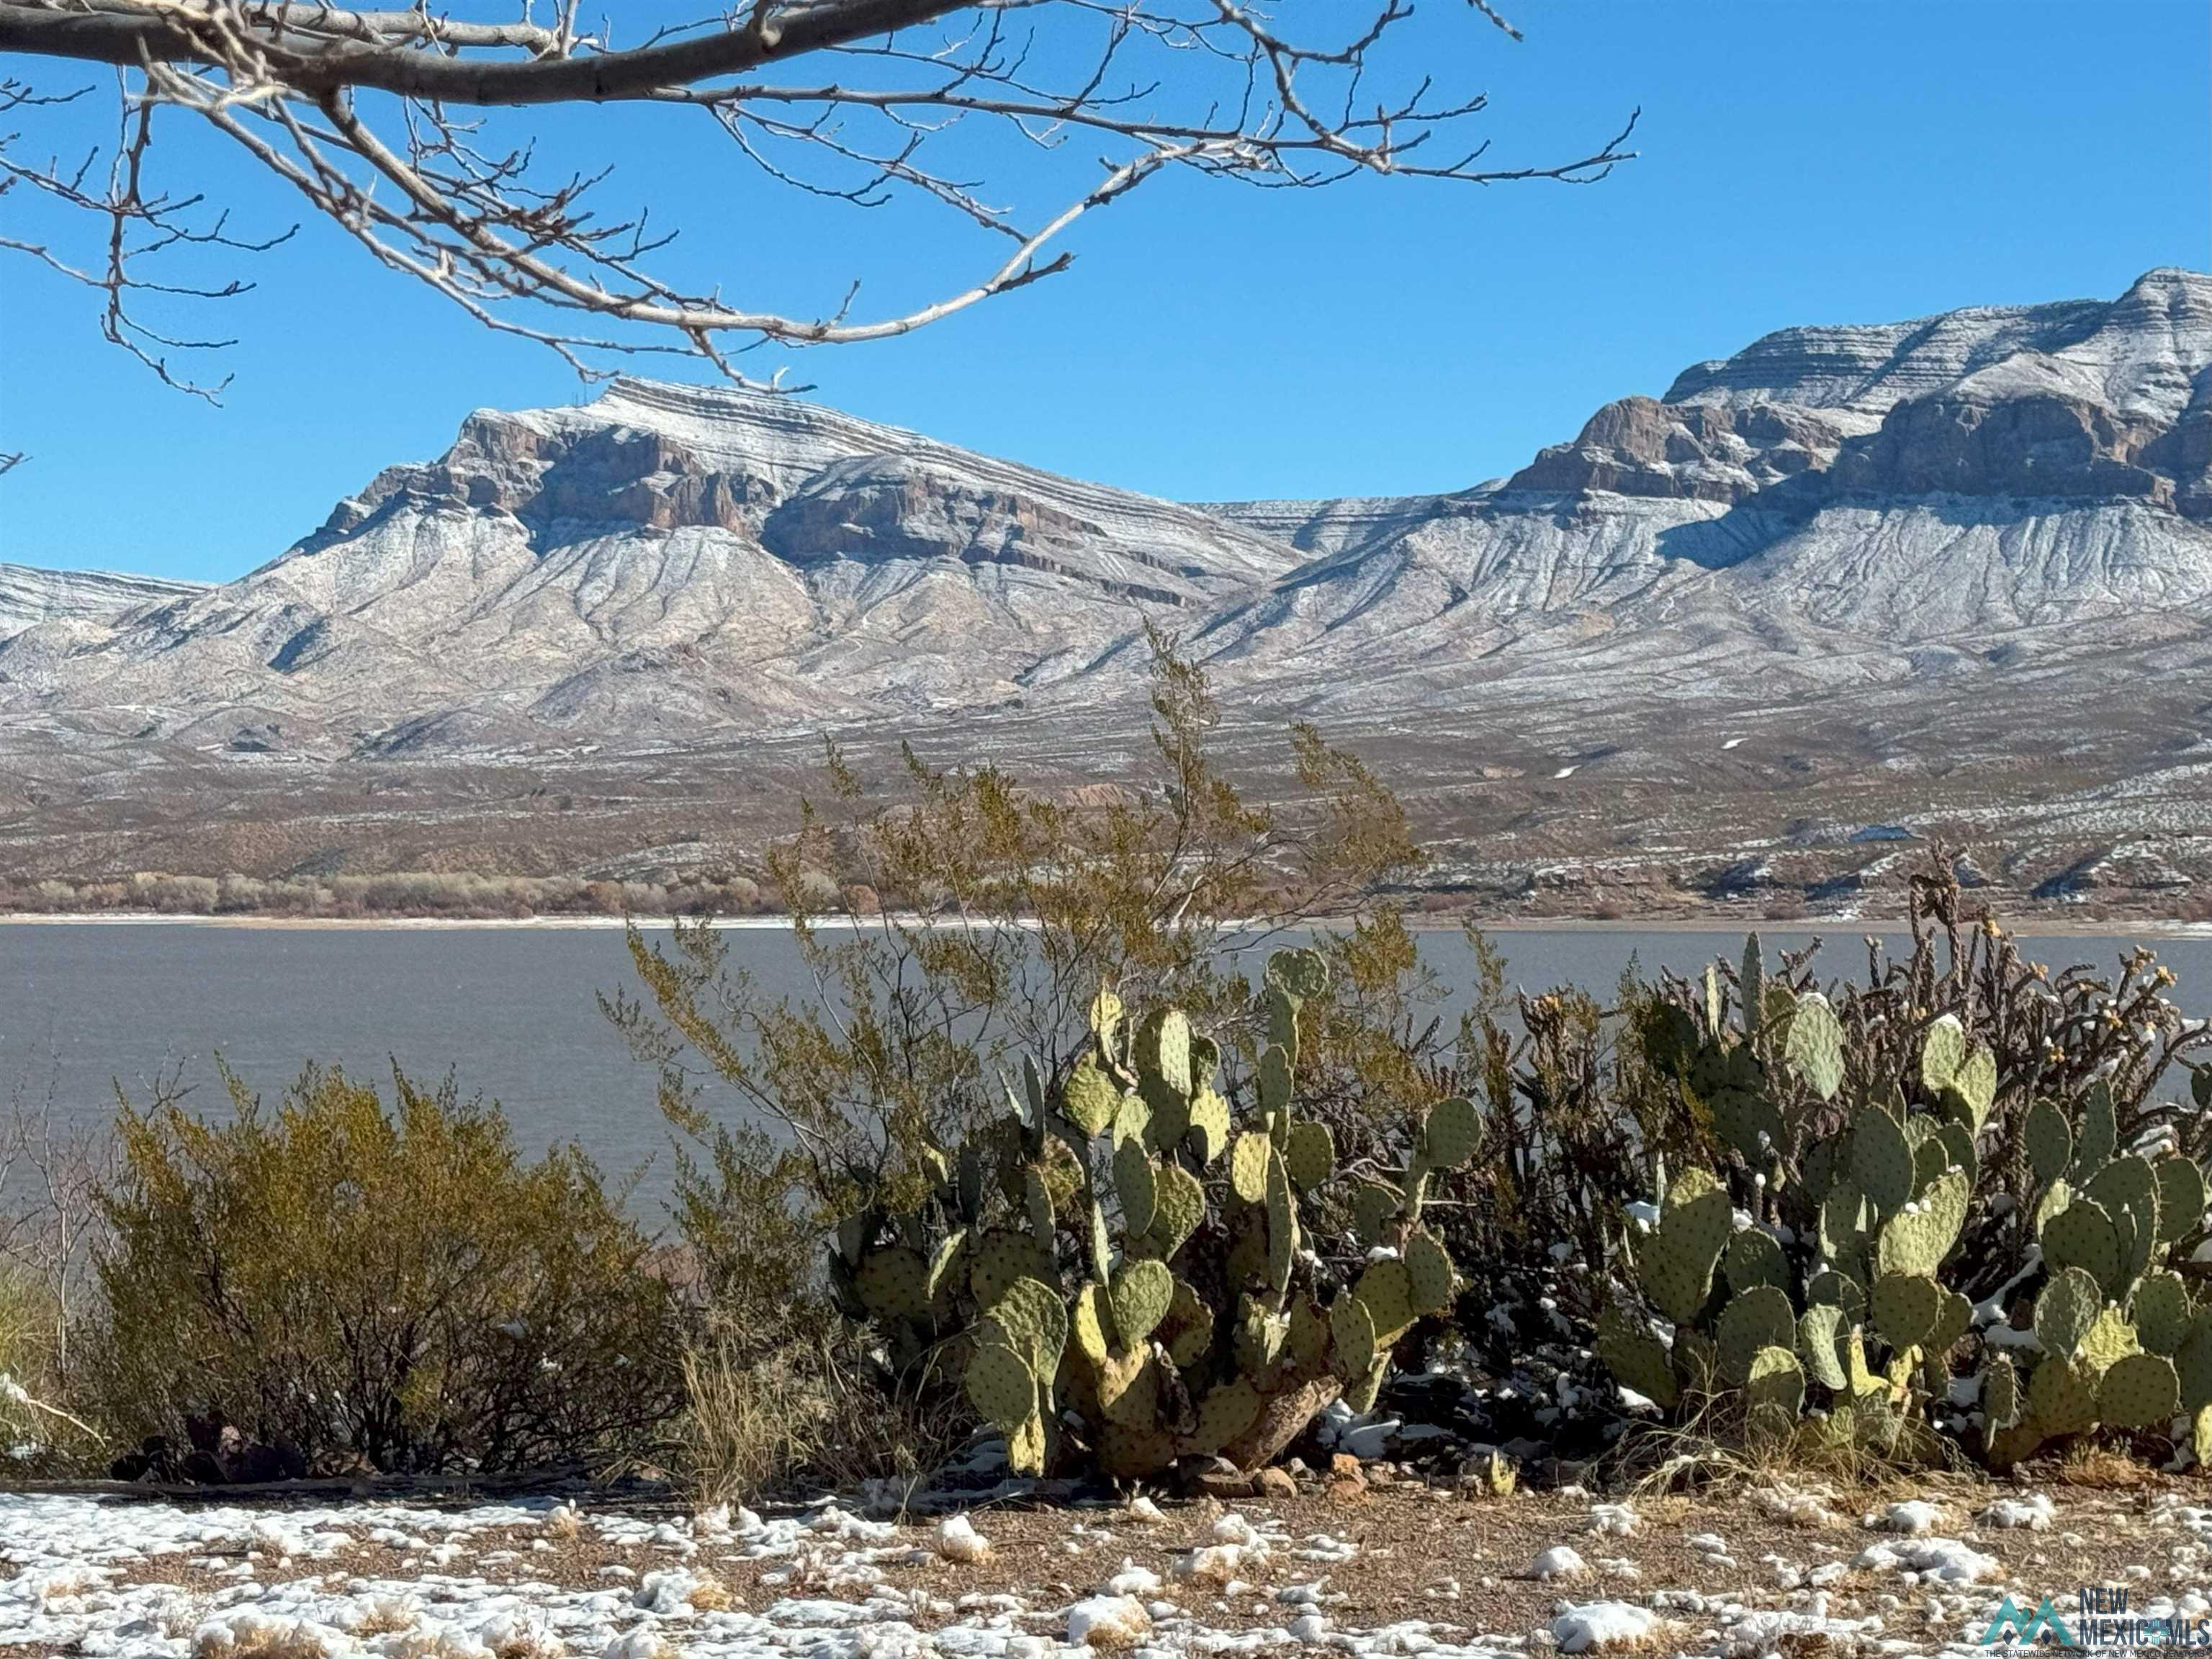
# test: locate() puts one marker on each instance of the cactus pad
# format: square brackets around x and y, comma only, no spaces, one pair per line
[1675,1264]
[1359,1394]
[1953,1320]
[1259,1333]
[1759,1318]
[1208,1133]
[1352,1331]
[1091,1096]
[1227,1410]
[2056,1197]
[1881,1161]
[2047,1139]
[1163,1050]
[1429,1272]
[1178,1206]
[2000,1393]
[1819,1328]
[1283,1237]
[2082,1236]
[2062,1399]
[1959,1142]
[1247,1166]
[1974,1084]
[944,1264]
[1139,1295]
[1838,1289]
[1105,1014]
[1310,1154]
[1749,1121]
[1137,1183]
[1942,1051]
[2065,1308]
[1637,1360]
[1131,1117]
[1305,1349]
[1915,1239]
[1302,973]
[1753,1258]
[1846,1218]
[1000,1257]
[1775,1383]
[1814,1047]
[2109,1339]
[1129,1387]
[1374,1207]
[1906,1307]
[1452,1134]
[2160,1311]
[2097,1132]
[894,1281]
[1188,1331]
[1001,1384]
[1090,1322]
[1386,1290]
[2138,1390]
[1274,1078]
[2127,1188]
[1035,1322]
[1282,1010]
[2180,1198]
[1247,1248]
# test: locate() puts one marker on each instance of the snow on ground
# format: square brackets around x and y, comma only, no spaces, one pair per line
[1410,1571]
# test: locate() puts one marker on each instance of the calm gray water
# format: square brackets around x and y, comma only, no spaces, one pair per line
[84,1008]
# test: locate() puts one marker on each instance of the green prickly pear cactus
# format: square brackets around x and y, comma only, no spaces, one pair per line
[1120,1268]
[1803,1274]
[1807,1272]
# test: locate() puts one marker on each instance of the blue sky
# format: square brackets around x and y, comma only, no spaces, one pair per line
[1802,162]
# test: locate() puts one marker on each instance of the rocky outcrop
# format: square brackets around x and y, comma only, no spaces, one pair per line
[1718,453]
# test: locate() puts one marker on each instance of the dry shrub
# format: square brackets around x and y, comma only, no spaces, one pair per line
[395,1285]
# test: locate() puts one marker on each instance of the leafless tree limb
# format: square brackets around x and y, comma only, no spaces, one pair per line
[383,122]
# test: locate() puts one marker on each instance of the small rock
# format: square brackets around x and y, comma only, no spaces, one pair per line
[1275,1483]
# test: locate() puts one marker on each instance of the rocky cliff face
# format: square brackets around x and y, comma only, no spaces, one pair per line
[1967,511]
[29,596]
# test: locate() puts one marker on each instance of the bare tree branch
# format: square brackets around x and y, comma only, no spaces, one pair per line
[364,114]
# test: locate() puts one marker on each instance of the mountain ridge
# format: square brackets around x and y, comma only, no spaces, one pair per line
[1986,506]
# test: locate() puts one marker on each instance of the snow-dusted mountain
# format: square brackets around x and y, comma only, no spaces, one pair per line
[1997,504]
[29,595]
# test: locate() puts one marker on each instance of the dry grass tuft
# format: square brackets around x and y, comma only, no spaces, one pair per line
[711,1594]
[755,1422]
[255,1636]
[2102,1469]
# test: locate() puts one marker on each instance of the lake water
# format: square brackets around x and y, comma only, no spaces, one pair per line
[86,1006]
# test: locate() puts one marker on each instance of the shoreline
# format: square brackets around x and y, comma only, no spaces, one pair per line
[1837,927]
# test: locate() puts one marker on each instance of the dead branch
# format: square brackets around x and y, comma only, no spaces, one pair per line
[409,130]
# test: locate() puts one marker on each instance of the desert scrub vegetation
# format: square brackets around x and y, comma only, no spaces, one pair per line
[1952,1207]
[412,893]
[902,1153]
[383,1284]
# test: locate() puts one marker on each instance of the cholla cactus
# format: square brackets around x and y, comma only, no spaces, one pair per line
[1121,1269]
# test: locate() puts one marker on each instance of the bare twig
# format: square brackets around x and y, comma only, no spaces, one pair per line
[401,126]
